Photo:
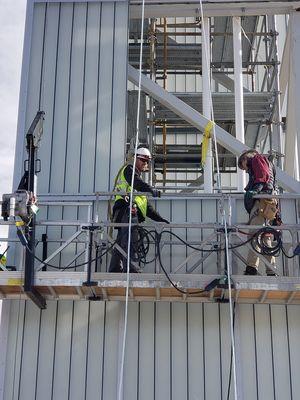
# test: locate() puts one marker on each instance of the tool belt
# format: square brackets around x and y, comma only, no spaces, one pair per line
[268,208]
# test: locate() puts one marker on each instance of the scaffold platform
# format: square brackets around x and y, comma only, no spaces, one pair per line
[152,287]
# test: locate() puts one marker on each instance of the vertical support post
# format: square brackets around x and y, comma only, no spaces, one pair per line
[33,137]
[206,92]
[30,229]
[292,137]
[45,249]
[152,42]
[90,230]
[238,92]
[276,128]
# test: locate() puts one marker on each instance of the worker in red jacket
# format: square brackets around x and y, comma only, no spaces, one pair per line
[261,211]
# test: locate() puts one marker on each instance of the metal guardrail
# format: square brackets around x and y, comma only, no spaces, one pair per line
[92,201]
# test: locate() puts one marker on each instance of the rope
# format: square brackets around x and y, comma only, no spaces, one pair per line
[223,210]
[121,376]
[212,122]
[231,307]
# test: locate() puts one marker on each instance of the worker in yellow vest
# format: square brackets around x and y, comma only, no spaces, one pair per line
[140,210]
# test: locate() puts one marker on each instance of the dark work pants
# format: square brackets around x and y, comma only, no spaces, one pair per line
[118,262]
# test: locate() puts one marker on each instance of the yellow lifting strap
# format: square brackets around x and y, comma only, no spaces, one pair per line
[205,141]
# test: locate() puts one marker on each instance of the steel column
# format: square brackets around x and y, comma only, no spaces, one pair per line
[238,92]
[207,101]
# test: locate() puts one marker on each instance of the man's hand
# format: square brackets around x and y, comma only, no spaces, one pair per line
[156,193]
[250,194]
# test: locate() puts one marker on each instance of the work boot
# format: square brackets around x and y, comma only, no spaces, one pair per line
[270,272]
[135,270]
[250,270]
[116,264]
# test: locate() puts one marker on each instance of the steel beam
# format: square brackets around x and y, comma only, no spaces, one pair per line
[292,137]
[179,8]
[207,101]
[238,92]
[199,121]
[227,82]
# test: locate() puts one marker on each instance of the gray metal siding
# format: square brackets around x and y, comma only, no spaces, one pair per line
[77,74]
[174,351]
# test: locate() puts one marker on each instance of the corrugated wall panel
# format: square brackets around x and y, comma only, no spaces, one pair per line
[72,350]
[78,76]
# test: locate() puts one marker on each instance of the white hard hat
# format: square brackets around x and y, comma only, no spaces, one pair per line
[143,152]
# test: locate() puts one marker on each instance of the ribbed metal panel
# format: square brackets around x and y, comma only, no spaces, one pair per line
[77,74]
[174,351]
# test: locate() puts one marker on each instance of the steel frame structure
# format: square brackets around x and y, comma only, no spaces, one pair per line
[171,57]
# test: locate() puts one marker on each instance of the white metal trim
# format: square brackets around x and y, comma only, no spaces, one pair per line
[177,8]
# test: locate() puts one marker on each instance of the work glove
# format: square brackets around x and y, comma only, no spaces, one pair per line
[156,193]
[248,200]
[250,194]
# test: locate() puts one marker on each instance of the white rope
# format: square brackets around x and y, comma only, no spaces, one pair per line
[121,376]
[205,41]
[230,305]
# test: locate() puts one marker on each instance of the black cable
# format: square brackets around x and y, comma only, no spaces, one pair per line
[142,247]
[210,250]
[158,236]
[73,266]
[259,244]
[286,255]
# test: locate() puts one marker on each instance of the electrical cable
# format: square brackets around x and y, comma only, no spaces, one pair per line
[262,243]
[167,275]
[206,250]
[70,267]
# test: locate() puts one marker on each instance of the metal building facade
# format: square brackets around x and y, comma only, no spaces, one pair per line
[76,71]
[174,351]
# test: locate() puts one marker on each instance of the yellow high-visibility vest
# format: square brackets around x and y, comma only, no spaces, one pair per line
[123,186]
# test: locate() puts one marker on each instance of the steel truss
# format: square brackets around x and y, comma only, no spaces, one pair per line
[174,48]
